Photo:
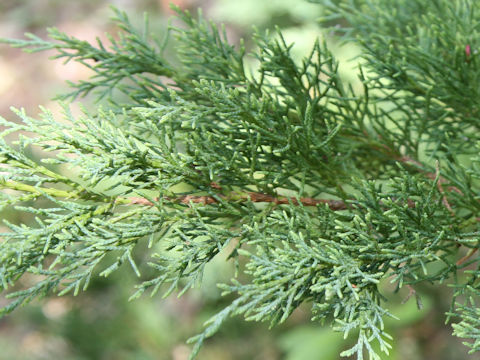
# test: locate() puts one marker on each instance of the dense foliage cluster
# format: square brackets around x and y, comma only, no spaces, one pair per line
[317,192]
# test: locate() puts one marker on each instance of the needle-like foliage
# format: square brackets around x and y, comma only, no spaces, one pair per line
[318,193]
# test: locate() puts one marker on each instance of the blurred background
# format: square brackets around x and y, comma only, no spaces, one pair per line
[101,323]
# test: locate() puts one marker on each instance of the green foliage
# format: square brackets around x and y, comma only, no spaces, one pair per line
[319,194]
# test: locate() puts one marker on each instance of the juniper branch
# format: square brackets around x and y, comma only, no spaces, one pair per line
[323,191]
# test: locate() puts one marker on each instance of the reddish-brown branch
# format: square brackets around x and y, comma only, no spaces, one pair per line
[332,204]
[466,257]
[260,197]
[411,292]
[252,196]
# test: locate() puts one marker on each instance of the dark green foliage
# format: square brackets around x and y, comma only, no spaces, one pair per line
[318,193]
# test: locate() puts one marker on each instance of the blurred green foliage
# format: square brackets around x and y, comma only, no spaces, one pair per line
[265,14]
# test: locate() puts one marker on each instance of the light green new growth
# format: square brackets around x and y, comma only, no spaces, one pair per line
[318,192]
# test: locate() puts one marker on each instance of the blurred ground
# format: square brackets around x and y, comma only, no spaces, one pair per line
[101,324]
[30,80]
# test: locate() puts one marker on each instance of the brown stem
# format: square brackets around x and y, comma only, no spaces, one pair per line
[411,292]
[252,196]
[259,197]
[466,257]
[332,204]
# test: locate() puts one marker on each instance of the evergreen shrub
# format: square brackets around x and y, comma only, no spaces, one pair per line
[320,193]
